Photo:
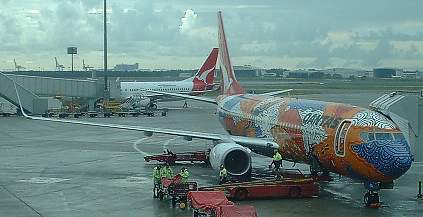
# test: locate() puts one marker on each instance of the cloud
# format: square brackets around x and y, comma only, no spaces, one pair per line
[273,33]
[188,21]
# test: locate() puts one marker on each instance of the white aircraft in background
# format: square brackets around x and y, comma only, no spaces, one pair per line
[136,94]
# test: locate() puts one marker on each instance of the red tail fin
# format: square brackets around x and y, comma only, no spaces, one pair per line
[204,79]
[229,85]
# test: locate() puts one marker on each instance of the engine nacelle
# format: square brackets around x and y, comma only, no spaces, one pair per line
[235,158]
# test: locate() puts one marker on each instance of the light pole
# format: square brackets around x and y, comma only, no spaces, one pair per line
[106,91]
[72,51]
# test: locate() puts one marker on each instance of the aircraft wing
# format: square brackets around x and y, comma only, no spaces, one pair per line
[198,98]
[252,143]
[276,92]
[255,144]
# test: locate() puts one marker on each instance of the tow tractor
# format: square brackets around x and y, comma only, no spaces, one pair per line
[176,190]
[171,158]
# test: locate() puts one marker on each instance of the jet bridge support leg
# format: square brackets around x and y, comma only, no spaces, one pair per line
[91,105]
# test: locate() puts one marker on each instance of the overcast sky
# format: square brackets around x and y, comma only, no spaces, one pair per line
[180,34]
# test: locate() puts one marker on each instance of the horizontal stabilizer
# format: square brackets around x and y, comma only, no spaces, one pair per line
[197,98]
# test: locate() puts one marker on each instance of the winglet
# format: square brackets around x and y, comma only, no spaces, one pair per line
[19,100]
[230,85]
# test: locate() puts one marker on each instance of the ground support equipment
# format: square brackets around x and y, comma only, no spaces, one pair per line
[171,158]
[176,190]
[286,188]
[214,203]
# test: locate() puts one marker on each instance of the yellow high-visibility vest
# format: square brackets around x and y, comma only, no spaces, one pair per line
[184,174]
[223,172]
[156,174]
[277,156]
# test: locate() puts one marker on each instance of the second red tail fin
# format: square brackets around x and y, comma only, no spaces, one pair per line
[204,79]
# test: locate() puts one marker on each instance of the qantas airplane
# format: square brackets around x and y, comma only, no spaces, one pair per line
[355,142]
[136,94]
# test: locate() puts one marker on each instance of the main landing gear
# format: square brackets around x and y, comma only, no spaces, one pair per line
[371,198]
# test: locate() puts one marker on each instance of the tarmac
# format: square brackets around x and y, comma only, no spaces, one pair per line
[54,169]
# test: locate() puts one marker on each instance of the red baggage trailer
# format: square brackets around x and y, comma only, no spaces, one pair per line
[216,204]
[206,202]
[236,211]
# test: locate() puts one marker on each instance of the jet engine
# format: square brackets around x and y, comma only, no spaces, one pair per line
[235,158]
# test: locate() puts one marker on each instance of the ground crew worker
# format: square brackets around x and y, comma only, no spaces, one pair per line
[223,175]
[157,173]
[156,179]
[184,174]
[277,161]
[163,172]
[167,172]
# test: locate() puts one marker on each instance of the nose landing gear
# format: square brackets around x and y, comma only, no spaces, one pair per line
[371,198]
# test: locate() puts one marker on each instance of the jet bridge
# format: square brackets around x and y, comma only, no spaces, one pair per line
[406,110]
[45,86]
[30,102]
[31,88]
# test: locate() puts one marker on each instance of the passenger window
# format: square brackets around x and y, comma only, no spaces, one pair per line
[383,136]
[398,136]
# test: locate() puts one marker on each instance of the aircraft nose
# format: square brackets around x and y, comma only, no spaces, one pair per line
[391,157]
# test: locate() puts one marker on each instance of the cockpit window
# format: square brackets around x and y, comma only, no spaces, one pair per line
[398,136]
[364,136]
[383,136]
[371,136]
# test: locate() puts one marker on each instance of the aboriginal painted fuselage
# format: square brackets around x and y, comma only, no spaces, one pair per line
[349,140]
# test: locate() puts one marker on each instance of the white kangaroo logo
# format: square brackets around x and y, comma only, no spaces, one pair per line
[204,75]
